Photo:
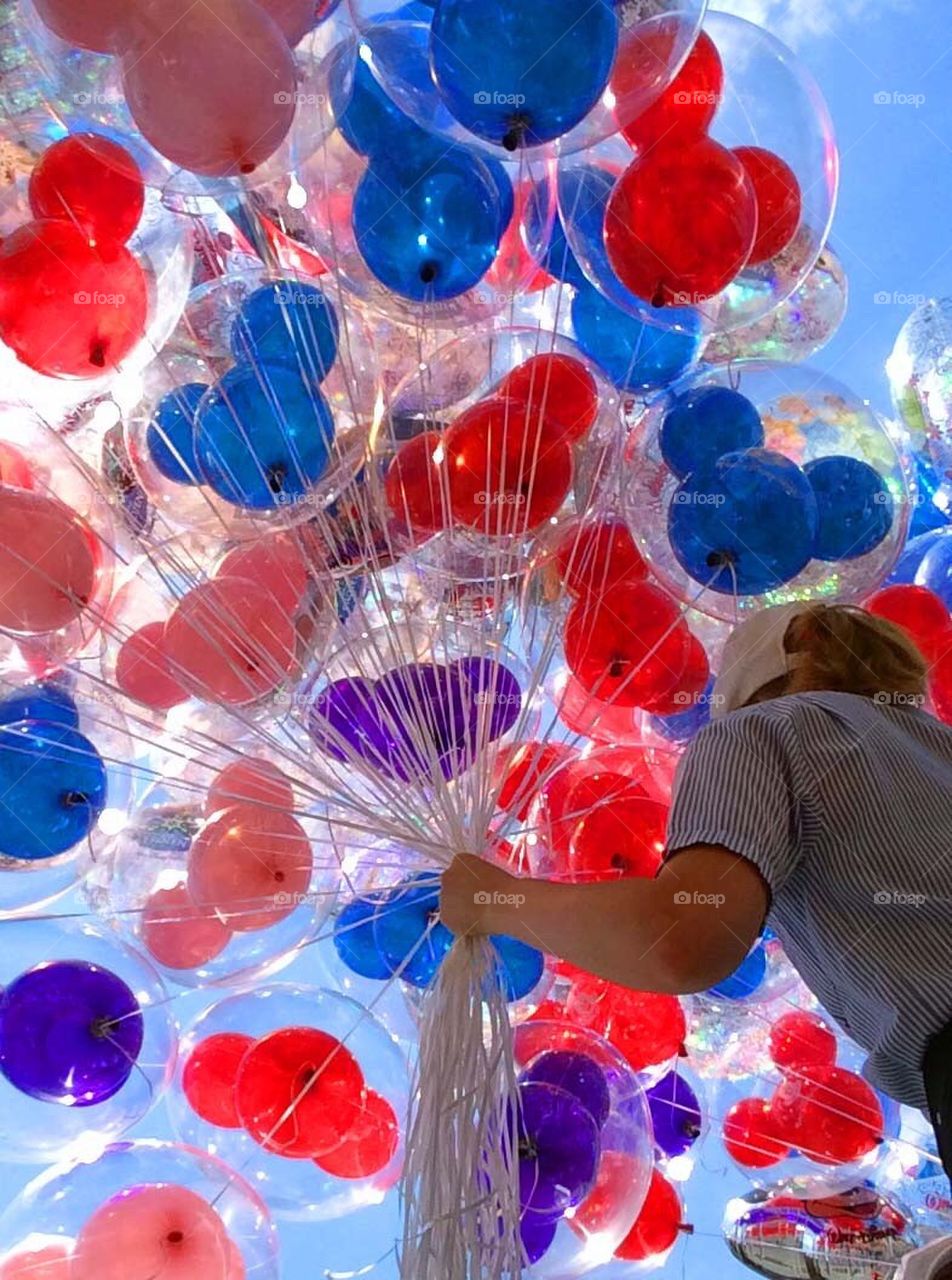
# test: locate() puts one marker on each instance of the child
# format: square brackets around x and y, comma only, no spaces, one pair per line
[818,799]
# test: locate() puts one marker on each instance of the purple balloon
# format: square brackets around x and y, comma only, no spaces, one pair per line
[537,1234]
[347,709]
[70,1032]
[558,1150]
[675,1114]
[423,709]
[493,685]
[577,1074]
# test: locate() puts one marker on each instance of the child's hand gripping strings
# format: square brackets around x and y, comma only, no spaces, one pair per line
[682,932]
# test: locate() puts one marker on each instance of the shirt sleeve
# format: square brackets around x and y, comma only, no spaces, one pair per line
[734,787]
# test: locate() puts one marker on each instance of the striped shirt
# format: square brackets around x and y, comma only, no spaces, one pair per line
[844,804]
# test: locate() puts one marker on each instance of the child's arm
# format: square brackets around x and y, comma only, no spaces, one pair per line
[684,931]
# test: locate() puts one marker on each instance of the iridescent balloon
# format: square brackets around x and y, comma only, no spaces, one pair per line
[920,378]
[802,325]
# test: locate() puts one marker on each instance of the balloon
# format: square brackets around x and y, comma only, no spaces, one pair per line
[779,203]
[143,669]
[703,424]
[54,788]
[557,388]
[216,116]
[369,1145]
[46,702]
[918,611]
[209,1077]
[97,25]
[681,224]
[595,558]
[634,355]
[48,563]
[250,782]
[684,110]
[180,934]
[512,76]
[918,370]
[287,322]
[676,1119]
[263,436]
[800,1041]
[440,236]
[68,307]
[92,182]
[295,17]
[560,1139]
[415,485]
[170,436]
[751,1134]
[576,1074]
[656,1228]
[854,507]
[70,1032]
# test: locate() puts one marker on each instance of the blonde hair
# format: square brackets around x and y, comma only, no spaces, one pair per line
[844,649]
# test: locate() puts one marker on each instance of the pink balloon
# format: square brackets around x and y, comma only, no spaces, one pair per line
[154,1231]
[295,17]
[252,865]
[89,24]
[48,563]
[179,933]
[214,91]
[236,1263]
[277,562]
[52,1262]
[142,669]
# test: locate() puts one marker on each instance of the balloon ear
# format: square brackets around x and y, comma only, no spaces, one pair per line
[94,24]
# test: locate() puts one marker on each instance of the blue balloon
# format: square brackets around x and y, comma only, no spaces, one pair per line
[704,423]
[288,323]
[44,702]
[745,524]
[431,232]
[913,554]
[854,506]
[520,74]
[52,789]
[583,193]
[928,514]
[355,940]
[746,978]
[633,355]
[263,436]
[367,116]
[682,726]
[520,966]
[404,917]
[935,568]
[170,436]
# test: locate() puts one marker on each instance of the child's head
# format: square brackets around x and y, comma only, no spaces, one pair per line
[799,648]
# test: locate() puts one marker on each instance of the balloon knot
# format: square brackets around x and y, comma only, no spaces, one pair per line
[515,135]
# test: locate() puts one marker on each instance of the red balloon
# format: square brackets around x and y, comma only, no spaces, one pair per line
[48,563]
[226,645]
[92,182]
[656,1227]
[518,770]
[14,468]
[209,1075]
[646,1027]
[69,308]
[603,722]
[93,24]
[250,781]
[940,684]
[920,613]
[681,223]
[750,1134]
[179,933]
[279,563]
[832,1115]
[251,865]
[507,471]
[298,1092]
[617,1172]
[621,839]
[779,203]
[143,672]
[149,1231]
[800,1041]
[213,91]
[415,487]
[594,557]
[295,17]
[630,648]
[685,108]
[369,1145]
[555,389]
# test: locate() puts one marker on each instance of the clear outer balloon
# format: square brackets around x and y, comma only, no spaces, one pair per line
[34,1130]
[920,378]
[806,416]
[220,116]
[169,1210]
[298,1188]
[857,1231]
[770,101]
[800,326]
[142,887]
[332,179]
[653,39]
[558,1056]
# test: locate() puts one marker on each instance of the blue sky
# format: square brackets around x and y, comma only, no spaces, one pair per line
[886,69]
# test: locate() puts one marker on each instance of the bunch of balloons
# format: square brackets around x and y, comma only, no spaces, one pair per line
[401,402]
